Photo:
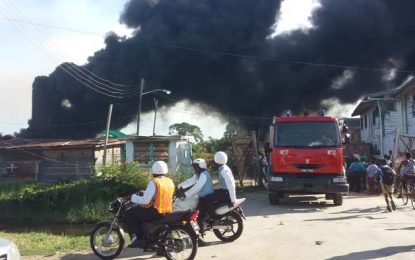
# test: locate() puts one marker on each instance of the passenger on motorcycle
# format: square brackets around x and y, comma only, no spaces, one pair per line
[226,193]
[202,186]
[156,201]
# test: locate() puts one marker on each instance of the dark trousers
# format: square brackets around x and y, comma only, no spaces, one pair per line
[218,196]
[207,205]
[357,181]
[135,217]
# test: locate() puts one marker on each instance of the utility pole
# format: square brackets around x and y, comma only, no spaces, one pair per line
[107,131]
[156,102]
[140,96]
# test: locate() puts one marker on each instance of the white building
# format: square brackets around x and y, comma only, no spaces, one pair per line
[385,114]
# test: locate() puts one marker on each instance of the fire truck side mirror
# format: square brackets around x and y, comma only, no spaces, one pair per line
[271,135]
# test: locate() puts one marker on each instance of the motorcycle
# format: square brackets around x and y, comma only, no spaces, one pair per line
[174,236]
[228,226]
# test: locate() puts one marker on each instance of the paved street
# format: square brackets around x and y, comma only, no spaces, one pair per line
[306,227]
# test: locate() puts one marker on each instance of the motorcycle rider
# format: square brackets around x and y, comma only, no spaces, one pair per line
[202,186]
[226,193]
[156,201]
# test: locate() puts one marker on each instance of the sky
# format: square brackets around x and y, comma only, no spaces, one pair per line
[28,50]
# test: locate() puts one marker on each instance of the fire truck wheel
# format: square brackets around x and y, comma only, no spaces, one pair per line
[273,198]
[338,199]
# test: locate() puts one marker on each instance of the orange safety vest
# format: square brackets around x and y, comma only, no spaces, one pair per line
[163,201]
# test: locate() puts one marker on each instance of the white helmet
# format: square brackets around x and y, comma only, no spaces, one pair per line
[201,162]
[221,158]
[159,168]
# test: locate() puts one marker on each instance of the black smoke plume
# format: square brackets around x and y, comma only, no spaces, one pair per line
[220,53]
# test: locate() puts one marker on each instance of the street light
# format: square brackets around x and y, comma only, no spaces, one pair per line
[165,91]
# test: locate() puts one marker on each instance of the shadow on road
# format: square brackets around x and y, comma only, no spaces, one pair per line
[127,253]
[396,229]
[373,254]
[355,213]
[259,205]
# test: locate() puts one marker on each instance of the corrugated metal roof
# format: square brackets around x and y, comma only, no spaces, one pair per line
[53,143]
[370,100]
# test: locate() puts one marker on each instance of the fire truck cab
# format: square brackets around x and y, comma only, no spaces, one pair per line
[306,158]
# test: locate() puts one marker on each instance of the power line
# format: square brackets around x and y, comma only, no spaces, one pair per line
[102,88]
[51,26]
[17,12]
[216,52]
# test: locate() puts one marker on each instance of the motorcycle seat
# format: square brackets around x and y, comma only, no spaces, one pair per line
[170,218]
[223,208]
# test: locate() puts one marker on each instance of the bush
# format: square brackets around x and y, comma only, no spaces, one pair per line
[82,201]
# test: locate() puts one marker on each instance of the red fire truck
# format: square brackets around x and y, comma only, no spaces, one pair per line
[306,158]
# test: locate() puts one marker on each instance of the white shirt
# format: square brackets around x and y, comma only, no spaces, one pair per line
[197,184]
[148,195]
[372,170]
[226,174]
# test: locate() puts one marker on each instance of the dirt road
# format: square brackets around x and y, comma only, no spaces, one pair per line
[310,228]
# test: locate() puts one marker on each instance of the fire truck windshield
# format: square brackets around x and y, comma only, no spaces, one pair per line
[309,134]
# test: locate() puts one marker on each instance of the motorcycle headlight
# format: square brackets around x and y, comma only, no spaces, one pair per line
[111,207]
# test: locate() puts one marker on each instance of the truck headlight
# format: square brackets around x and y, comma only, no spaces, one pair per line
[339,179]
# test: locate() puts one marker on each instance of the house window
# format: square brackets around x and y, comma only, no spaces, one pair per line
[390,106]
[361,122]
[365,121]
[375,115]
[413,105]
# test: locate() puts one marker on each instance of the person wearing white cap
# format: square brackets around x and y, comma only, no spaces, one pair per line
[226,193]
[156,201]
[201,186]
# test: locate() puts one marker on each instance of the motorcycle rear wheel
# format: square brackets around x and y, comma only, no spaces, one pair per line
[106,243]
[180,243]
[235,222]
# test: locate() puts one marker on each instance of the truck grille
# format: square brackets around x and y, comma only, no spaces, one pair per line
[303,166]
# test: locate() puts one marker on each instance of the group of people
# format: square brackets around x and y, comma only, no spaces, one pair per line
[157,199]
[380,176]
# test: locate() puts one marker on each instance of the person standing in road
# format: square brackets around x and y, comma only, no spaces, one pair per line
[357,173]
[387,179]
[372,172]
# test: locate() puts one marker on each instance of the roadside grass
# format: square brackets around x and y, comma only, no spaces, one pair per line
[45,243]
[13,189]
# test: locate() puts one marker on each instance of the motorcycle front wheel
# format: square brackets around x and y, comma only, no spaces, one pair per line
[179,243]
[106,243]
[231,227]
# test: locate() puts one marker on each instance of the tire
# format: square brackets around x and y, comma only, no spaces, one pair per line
[338,199]
[412,196]
[262,179]
[97,242]
[176,241]
[273,198]
[232,218]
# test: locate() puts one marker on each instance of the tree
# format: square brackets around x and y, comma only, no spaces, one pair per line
[186,129]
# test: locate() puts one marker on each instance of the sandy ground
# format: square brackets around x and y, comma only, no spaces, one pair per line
[307,227]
